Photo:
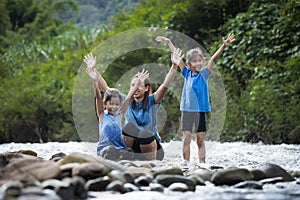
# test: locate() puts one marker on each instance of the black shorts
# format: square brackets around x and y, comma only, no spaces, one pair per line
[142,137]
[196,119]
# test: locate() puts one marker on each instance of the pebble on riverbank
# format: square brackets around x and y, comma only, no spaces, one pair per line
[78,176]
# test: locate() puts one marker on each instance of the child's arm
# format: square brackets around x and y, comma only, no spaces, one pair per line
[171,47]
[140,79]
[176,59]
[90,61]
[99,103]
[213,59]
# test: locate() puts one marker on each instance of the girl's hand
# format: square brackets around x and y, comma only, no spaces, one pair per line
[229,39]
[162,39]
[176,56]
[90,61]
[91,72]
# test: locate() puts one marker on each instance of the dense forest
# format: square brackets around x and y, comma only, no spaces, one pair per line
[42,44]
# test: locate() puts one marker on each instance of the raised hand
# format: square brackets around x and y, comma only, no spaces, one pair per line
[162,39]
[91,72]
[229,39]
[90,60]
[142,76]
[176,56]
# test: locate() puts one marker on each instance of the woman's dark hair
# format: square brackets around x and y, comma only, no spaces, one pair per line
[146,95]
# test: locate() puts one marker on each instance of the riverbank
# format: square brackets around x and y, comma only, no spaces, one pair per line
[244,157]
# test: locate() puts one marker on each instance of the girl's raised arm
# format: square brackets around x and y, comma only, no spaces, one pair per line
[226,43]
[171,47]
[90,61]
[176,58]
[99,102]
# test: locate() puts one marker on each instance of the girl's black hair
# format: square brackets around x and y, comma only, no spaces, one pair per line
[110,93]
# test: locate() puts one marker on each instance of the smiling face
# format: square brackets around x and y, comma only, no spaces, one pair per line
[196,63]
[113,105]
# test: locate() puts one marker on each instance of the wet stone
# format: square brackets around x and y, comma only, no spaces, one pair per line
[98,184]
[78,183]
[116,186]
[258,174]
[166,180]
[12,189]
[124,177]
[204,174]
[173,170]
[178,187]
[142,181]
[129,187]
[156,187]
[231,176]
[90,170]
[273,170]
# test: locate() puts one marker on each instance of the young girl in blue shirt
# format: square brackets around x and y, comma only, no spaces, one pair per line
[110,109]
[195,96]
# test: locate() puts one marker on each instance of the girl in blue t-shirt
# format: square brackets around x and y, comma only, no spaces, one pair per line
[110,109]
[195,96]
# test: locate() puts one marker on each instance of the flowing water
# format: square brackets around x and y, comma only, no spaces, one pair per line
[244,155]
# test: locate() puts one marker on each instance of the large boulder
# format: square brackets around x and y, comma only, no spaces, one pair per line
[16,166]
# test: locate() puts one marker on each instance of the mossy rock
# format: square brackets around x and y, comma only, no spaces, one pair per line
[28,152]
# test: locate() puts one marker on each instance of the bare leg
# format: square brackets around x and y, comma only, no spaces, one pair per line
[201,146]
[187,138]
[128,141]
[149,150]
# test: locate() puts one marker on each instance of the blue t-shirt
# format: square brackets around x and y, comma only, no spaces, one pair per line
[110,132]
[144,119]
[195,97]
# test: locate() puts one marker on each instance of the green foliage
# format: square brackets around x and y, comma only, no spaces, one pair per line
[264,63]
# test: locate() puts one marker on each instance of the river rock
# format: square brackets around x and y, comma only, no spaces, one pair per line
[143,180]
[273,170]
[22,167]
[98,184]
[90,170]
[129,187]
[230,176]
[116,186]
[258,174]
[172,170]
[166,180]
[178,187]
[203,173]
[28,152]
[122,176]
